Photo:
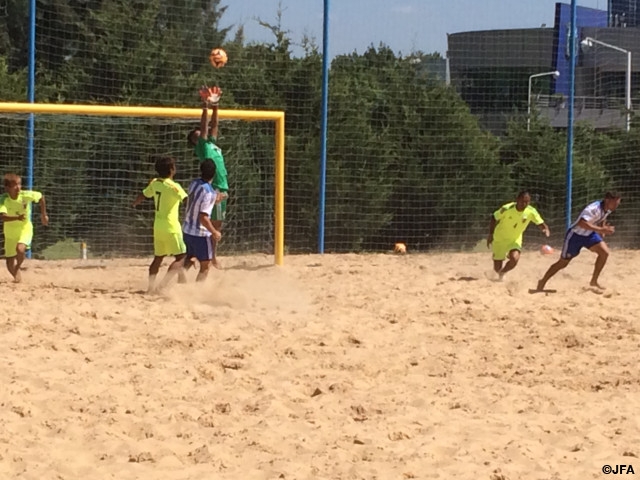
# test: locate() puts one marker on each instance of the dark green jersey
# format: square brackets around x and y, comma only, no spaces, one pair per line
[208,149]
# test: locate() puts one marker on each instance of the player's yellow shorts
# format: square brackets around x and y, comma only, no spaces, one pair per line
[11,241]
[501,248]
[168,244]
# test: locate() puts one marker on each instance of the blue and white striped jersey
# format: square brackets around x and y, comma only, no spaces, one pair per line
[593,213]
[202,198]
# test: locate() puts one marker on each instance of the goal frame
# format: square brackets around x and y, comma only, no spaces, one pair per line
[176,112]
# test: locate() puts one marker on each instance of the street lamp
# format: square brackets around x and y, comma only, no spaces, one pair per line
[555,74]
[587,43]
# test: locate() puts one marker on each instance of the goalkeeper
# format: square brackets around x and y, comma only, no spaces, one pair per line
[205,147]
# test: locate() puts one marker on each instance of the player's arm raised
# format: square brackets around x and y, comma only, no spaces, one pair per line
[204,121]
[214,99]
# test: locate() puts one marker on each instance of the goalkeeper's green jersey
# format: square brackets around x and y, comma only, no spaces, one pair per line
[208,149]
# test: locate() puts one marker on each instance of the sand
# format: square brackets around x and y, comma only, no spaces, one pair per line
[330,367]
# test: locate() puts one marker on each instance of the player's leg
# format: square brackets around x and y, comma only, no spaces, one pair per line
[499,251]
[174,244]
[204,270]
[182,278]
[178,263]
[182,259]
[199,248]
[21,250]
[188,263]
[10,246]
[162,246]
[204,254]
[571,247]
[190,243]
[512,260]
[553,269]
[602,250]
[176,268]
[154,268]
[214,261]
[218,215]
[11,265]
[20,244]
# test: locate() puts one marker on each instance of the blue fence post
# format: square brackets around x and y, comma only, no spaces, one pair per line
[323,126]
[31,96]
[572,85]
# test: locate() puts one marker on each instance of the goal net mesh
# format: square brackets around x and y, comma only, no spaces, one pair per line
[90,168]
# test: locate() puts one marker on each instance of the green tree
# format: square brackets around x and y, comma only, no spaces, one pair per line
[537,159]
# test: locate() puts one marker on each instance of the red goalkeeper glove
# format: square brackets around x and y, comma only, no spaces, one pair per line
[210,95]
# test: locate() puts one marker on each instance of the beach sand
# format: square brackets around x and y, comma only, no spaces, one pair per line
[329,367]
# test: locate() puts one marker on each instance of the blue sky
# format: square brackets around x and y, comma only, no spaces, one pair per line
[403,25]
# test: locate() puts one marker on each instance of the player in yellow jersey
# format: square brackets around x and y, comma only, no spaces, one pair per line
[167,230]
[15,211]
[508,223]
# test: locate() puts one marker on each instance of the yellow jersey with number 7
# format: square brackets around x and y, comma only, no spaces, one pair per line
[167,196]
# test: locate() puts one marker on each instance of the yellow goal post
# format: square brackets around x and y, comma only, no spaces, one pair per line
[183,113]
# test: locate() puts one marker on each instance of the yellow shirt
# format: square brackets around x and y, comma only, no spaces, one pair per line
[167,196]
[512,223]
[19,206]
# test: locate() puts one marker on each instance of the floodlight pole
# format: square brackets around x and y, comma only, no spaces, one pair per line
[555,74]
[588,41]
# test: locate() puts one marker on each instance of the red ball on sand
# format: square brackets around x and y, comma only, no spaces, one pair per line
[546,250]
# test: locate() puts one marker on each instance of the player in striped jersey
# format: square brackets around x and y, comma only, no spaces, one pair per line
[587,232]
[197,227]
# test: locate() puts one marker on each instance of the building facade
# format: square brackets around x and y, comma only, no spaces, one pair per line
[493,70]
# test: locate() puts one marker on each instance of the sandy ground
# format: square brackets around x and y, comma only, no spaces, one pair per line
[330,367]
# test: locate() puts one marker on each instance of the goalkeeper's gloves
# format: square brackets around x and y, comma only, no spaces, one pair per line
[210,95]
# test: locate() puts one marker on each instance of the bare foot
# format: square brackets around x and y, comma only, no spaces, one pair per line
[597,285]
[540,286]
[17,277]
[216,264]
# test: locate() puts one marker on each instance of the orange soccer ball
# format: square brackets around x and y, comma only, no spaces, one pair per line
[218,58]
[546,250]
[400,248]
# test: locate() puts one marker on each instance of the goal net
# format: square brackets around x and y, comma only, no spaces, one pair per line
[91,167]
